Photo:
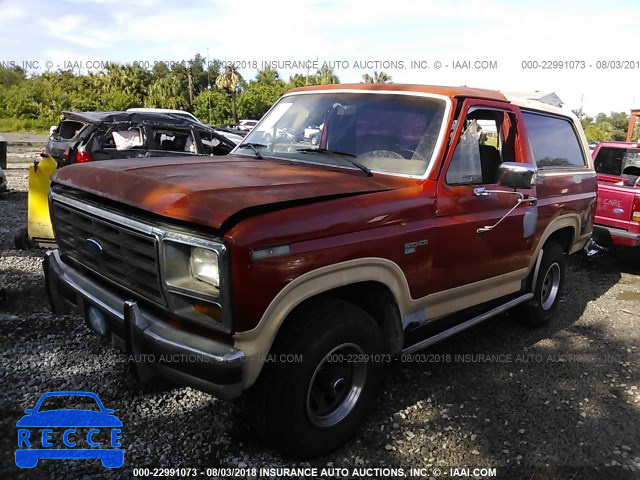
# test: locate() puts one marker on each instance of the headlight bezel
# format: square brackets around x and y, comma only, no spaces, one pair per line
[183,293]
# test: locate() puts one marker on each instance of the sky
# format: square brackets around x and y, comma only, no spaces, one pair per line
[414,41]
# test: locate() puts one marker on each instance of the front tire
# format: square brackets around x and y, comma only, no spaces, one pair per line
[321,380]
[548,287]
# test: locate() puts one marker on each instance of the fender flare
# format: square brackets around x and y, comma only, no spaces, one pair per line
[256,343]
[563,221]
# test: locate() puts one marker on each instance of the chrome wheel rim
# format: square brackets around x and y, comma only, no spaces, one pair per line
[550,286]
[336,385]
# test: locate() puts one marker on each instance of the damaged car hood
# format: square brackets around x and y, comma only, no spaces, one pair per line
[209,191]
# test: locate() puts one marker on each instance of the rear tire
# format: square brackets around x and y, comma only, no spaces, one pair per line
[310,405]
[548,288]
[21,239]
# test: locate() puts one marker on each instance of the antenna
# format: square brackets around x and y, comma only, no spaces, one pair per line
[208,87]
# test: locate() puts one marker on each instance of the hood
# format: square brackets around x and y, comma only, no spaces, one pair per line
[208,191]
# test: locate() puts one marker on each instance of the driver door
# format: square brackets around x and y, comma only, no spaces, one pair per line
[471,266]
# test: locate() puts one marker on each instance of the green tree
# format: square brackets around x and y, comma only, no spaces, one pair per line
[131,79]
[230,81]
[160,70]
[606,127]
[257,98]
[268,76]
[167,92]
[377,77]
[324,76]
[213,107]
[298,80]
[11,76]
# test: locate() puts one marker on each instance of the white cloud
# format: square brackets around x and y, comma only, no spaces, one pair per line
[255,30]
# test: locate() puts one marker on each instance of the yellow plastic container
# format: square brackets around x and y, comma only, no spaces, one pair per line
[39,228]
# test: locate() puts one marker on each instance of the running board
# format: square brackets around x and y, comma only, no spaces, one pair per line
[469,323]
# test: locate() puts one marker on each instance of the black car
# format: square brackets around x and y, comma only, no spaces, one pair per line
[88,136]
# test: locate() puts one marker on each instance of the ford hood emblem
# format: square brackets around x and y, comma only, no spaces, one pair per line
[92,246]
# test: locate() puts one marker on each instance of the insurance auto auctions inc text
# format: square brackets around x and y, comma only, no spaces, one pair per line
[355,472]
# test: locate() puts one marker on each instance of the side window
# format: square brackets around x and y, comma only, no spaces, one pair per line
[488,139]
[212,145]
[209,143]
[553,141]
[175,141]
[68,129]
[124,139]
[465,164]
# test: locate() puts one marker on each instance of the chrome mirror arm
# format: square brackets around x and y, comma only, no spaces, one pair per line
[482,192]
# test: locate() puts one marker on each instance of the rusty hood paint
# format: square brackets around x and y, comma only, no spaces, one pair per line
[208,191]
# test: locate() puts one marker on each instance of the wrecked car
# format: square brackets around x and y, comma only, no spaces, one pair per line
[88,136]
[290,273]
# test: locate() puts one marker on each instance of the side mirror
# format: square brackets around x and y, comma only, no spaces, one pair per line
[517,175]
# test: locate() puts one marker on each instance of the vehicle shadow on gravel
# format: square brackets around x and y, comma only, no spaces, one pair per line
[505,395]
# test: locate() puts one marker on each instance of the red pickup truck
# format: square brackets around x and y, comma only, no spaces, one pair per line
[618,214]
[291,271]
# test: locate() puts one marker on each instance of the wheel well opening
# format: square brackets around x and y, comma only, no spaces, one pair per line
[374,298]
[563,237]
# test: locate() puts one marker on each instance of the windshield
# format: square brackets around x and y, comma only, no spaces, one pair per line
[618,161]
[386,133]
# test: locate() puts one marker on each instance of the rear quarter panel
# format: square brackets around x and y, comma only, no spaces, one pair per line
[562,194]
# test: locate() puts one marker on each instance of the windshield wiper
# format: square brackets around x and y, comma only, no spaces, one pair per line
[253,146]
[343,154]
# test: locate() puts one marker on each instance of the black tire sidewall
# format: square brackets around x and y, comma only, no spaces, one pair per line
[296,434]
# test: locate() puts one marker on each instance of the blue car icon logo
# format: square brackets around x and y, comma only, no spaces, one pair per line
[55,429]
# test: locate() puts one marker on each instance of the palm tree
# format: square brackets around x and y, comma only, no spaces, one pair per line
[230,81]
[167,92]
[298,80]
[325,76]
[378,77]
[267,76]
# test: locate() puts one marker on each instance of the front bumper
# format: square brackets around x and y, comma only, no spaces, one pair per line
[155,347]
[616,236]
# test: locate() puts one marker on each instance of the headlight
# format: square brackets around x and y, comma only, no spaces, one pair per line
[192,269]
[204,266]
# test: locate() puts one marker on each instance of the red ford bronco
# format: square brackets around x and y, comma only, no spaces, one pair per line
[618,214]
[291,271]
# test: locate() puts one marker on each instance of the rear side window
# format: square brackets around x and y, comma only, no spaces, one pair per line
[553,141]
[69,129]
[175,141]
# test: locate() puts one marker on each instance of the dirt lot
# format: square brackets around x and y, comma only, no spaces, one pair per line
[559,402]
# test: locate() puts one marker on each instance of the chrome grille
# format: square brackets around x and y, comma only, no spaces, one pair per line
[129,258]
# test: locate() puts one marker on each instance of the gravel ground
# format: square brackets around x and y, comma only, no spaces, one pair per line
[559,402]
